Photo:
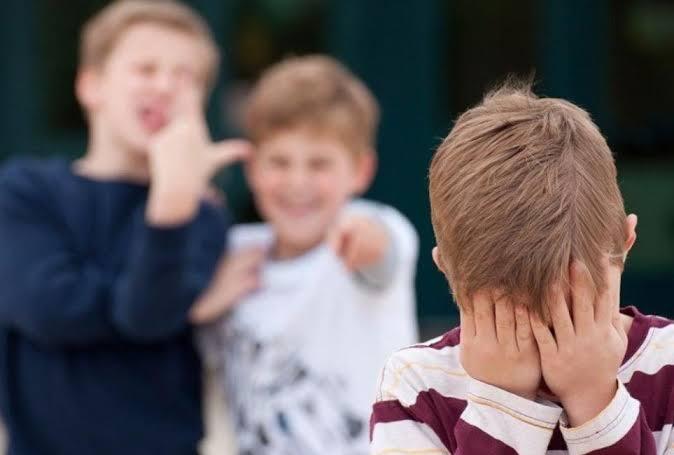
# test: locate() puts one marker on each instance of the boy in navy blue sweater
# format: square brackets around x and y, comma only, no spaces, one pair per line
[101,259]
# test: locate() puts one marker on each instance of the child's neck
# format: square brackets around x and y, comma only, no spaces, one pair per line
[283,250]
[106,161]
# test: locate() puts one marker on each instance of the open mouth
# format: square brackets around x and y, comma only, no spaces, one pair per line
[299,210]
[152,119]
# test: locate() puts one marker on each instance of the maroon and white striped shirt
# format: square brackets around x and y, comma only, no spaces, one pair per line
[427,404]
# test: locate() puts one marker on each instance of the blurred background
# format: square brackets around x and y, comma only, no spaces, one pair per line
[426,61]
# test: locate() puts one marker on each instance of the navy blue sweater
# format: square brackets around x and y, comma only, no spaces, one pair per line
[96,356]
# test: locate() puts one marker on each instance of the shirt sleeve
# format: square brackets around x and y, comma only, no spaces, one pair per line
[495,416]
[620,429]
[396,429]
[403,247]
[668,449]
[408,418]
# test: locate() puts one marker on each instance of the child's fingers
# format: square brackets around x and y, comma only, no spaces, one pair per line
[249,284]
[339,238]
[215,196]
[201,313]
[523,332]
[337,242]
[334,239]
[504,321]
[205,311]
[227,152]
[609,299]
[483,311]
[561,320]
[247,259]
[353,247]
[582,296]
[544,339]
[212,306]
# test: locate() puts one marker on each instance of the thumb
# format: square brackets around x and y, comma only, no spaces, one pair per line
[335,239]
[340,238]
[227,152]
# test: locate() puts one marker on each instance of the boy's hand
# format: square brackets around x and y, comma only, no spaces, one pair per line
[580,362]
[498,346]
[183,160]
[237,275]
[359,241]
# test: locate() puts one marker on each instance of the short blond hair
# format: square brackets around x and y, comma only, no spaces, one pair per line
[101,33]
[314,92]
[521,186]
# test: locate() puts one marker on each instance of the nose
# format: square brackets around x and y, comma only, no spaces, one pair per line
[165,83]
[298,178]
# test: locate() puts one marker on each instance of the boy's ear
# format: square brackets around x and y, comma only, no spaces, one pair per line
[631,227]
[87,88]
[366,168]
[436,258]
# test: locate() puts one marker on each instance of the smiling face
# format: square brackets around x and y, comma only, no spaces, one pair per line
[134,93]
[301,181]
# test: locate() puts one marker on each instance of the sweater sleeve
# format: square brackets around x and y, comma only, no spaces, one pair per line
[154,294]
[408,418]
[151,298]
[57,296]
[620,429]
[47,292]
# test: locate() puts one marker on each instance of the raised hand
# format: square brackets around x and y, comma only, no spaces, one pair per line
[580,361]
[359,241]
[237,275]
[498,347]
[183,159]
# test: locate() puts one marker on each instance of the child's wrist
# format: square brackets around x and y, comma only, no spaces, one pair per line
[514,390]
[526,394]
[584,405]
[172,205]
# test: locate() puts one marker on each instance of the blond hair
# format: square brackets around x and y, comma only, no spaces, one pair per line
[101,33]
[520,187]
[314,92]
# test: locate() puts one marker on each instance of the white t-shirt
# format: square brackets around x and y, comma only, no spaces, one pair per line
[300,357]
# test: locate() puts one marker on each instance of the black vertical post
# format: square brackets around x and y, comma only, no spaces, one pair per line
[397,47]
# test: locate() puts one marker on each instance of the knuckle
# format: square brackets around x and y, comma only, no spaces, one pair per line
[505,324]
[481,315]
[566,352]
[524,336]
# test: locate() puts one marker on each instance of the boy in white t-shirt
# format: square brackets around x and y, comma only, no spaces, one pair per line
[323,291]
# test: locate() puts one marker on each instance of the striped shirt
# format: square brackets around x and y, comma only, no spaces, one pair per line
[426,404]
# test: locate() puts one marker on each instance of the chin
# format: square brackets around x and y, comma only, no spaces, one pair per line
[300,241]
[139,144]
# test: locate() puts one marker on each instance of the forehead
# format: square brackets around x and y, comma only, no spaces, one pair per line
[147,40]
[304,140]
